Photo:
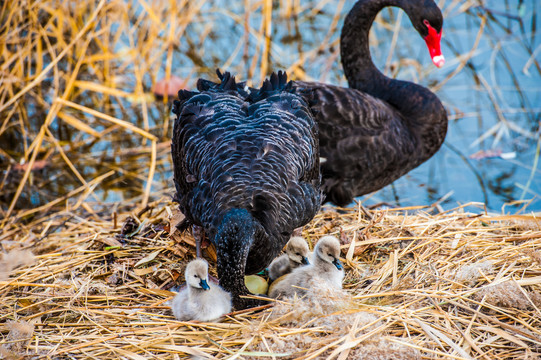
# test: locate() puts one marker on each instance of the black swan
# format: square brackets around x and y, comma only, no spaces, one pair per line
[246,170]
[378,129]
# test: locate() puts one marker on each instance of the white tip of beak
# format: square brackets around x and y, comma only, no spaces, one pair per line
[438,60]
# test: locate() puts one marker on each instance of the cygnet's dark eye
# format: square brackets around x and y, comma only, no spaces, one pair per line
[329,254]
[299,254]
[195,276]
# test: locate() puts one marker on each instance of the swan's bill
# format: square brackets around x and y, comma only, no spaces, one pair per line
[438,60]
[433,43]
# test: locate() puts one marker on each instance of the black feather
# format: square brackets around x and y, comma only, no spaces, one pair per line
[205,85]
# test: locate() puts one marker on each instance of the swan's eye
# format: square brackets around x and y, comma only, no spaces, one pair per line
[330,255]
[298,254]
[195,276]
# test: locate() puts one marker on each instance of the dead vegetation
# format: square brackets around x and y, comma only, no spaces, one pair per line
[453,285]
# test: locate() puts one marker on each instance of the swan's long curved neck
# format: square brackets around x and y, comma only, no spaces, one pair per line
[354,46]
[363,75]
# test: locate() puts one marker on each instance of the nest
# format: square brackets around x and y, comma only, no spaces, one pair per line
[454,285]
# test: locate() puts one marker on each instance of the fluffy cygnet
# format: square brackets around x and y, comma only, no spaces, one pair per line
[326,267]
[295,256]
[200,300]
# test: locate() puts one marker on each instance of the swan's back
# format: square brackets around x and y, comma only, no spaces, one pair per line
[259,152]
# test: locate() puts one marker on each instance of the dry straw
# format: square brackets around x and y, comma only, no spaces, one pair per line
[455,285]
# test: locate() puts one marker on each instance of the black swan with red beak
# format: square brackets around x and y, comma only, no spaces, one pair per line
[246,170]
[379,128]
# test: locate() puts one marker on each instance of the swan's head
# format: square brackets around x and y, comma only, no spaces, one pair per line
[197,274]
[297,250]
[427,19]
[328,250]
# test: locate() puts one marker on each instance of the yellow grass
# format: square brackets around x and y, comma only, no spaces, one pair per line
[457,285]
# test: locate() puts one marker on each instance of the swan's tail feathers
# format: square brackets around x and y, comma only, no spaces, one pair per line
[206,85]
[275,83]
[183,96]
[220,75]
[223,77]
[227,81]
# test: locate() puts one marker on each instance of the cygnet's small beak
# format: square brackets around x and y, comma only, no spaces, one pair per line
[337,263]
[305,261]
[204,284]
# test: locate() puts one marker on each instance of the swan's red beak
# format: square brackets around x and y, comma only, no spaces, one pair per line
[433,43]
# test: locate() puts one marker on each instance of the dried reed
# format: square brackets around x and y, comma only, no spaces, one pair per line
[454,285]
